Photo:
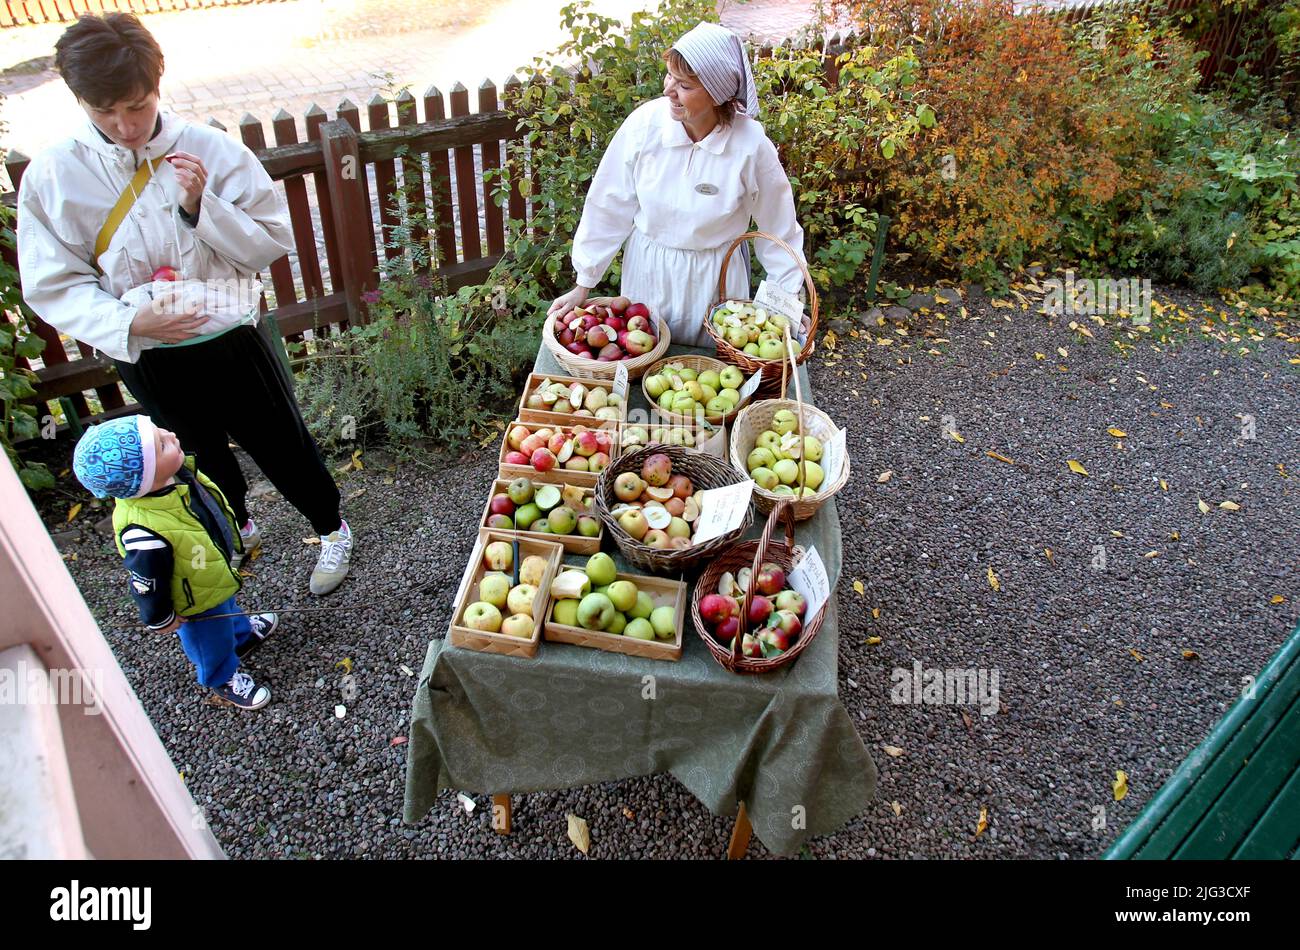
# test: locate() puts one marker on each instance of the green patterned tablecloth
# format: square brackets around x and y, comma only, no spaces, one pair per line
[782,742]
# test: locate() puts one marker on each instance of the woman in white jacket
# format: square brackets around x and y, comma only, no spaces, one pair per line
[208,211]
[681,179]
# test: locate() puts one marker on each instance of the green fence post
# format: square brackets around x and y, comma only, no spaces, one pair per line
[70,414]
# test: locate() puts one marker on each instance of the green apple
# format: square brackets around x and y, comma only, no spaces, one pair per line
[644,606]
[547,497]
[483,616]
[520,491]
[770,349]
[655,386]
[595,611]
[731,396]
[566,612]
[711,378]
[783,490]
[588,526]
[623,595]
[760,458]
[617,623]
[667,399]
[765,478]
[731,378]
[787,470]
[769,440]
[520,599]
[561,521]
[532,570]
[640,629]
[750,349]
[812,475]
[812,448]
[518,625]
[601,570]
[738,337]
[541,526]
[494,588]
[526,515]
[687,374]
[664,622]
[718,406]
[784,421]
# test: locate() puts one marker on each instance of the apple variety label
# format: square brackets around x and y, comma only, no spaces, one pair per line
[621,382]
[809,579]
[716,444]
[722,510]
[833,453]
[773,297]
[750,387]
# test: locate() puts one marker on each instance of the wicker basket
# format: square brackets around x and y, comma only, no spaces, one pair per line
[699,364]
[753,554]
[773,384]
[594,369]
[756,418]
[704,471]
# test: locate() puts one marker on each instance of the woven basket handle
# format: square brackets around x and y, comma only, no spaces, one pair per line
[790,359]
[782,509]
[807,277]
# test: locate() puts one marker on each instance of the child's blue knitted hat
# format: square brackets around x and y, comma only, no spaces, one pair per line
[117,458]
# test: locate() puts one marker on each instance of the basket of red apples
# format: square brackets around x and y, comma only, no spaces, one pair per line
[745,610]
[593,339]
[650,502]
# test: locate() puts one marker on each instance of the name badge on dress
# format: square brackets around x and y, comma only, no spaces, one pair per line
[705,188]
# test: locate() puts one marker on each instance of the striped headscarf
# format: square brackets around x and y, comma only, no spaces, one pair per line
[720,60]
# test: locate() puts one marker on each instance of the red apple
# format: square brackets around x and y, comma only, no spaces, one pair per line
[726,631]
[565,337]
[516,458]
[638,342]
[556,442]
[656,470]
[751,646]
[610,353]
[517,436]
[543,460]
[589,321]
[760,608]
[501,505]
[681,486]
[501,522]
[640,323]
[620,304]
[715,608]
[636,310]
[775,637]
[598,462]
[597,337]
[586,444]
[617,324]
[770,579]
[792,601]
[577,349]
[787,621]
[532,444]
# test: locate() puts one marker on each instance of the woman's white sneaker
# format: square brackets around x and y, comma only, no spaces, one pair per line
[332,565]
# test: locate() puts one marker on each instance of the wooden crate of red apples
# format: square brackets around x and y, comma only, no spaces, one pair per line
[776,611]
[618,330]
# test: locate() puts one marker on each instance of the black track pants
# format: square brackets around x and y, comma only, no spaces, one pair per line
[235,387]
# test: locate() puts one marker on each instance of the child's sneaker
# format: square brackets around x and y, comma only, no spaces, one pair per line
[251,537]
[263,626]
[332,565]
[241,692]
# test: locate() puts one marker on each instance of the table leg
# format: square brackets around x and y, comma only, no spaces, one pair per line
[739,835]
[501,813]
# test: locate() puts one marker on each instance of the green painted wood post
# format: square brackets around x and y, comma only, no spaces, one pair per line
[877,256]
[73,419]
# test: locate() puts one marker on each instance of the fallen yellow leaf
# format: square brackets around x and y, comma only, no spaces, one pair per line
[892,751]
[1117,433]
[1120,785]
[982,825]
[898,809]
[999,456]
[993,580]
[1191,655]
[858,588]
[875,613]
[873,641]
[73,512]
[1276,599]
[1136,655]
[1152,554]
[1205,509]
[957,436]
[579,834]
[1230,505]
[1065,354]
[1164,486]
[829,339]
[884,476]
[1076,467]
[346,663]
[1051,559]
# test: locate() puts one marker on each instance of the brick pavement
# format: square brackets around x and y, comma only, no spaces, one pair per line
[223,63]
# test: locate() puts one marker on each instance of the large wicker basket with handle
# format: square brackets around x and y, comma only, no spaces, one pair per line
[773,384]
[584,368]
[757,417]
[753,554]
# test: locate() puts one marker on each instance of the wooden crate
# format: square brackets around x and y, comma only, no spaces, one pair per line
[662,591]
[486,642]
[546,417]
[558,475]
[573,543]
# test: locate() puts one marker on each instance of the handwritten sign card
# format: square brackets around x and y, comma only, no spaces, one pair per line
[722,510]
[809,579]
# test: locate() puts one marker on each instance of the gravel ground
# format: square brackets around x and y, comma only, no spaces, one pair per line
[1088,654]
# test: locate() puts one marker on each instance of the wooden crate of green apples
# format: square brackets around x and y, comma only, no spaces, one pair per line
[500,605]
[596,606]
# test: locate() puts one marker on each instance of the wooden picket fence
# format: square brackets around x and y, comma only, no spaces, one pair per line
[27,12]
[340,183]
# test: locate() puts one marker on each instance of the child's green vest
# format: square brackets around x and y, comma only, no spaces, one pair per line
[202,578]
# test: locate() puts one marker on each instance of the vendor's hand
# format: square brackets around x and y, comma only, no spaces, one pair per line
[167,320]
[173,626]
[191,176]
[561,307]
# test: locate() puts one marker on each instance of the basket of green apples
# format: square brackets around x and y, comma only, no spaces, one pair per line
[750,336]
[683,388]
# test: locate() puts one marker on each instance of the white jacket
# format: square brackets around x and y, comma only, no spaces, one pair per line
[68,191]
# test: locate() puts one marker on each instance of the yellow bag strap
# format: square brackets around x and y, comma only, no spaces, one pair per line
[124,202]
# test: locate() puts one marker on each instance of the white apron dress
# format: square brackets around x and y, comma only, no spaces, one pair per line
[678,205]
